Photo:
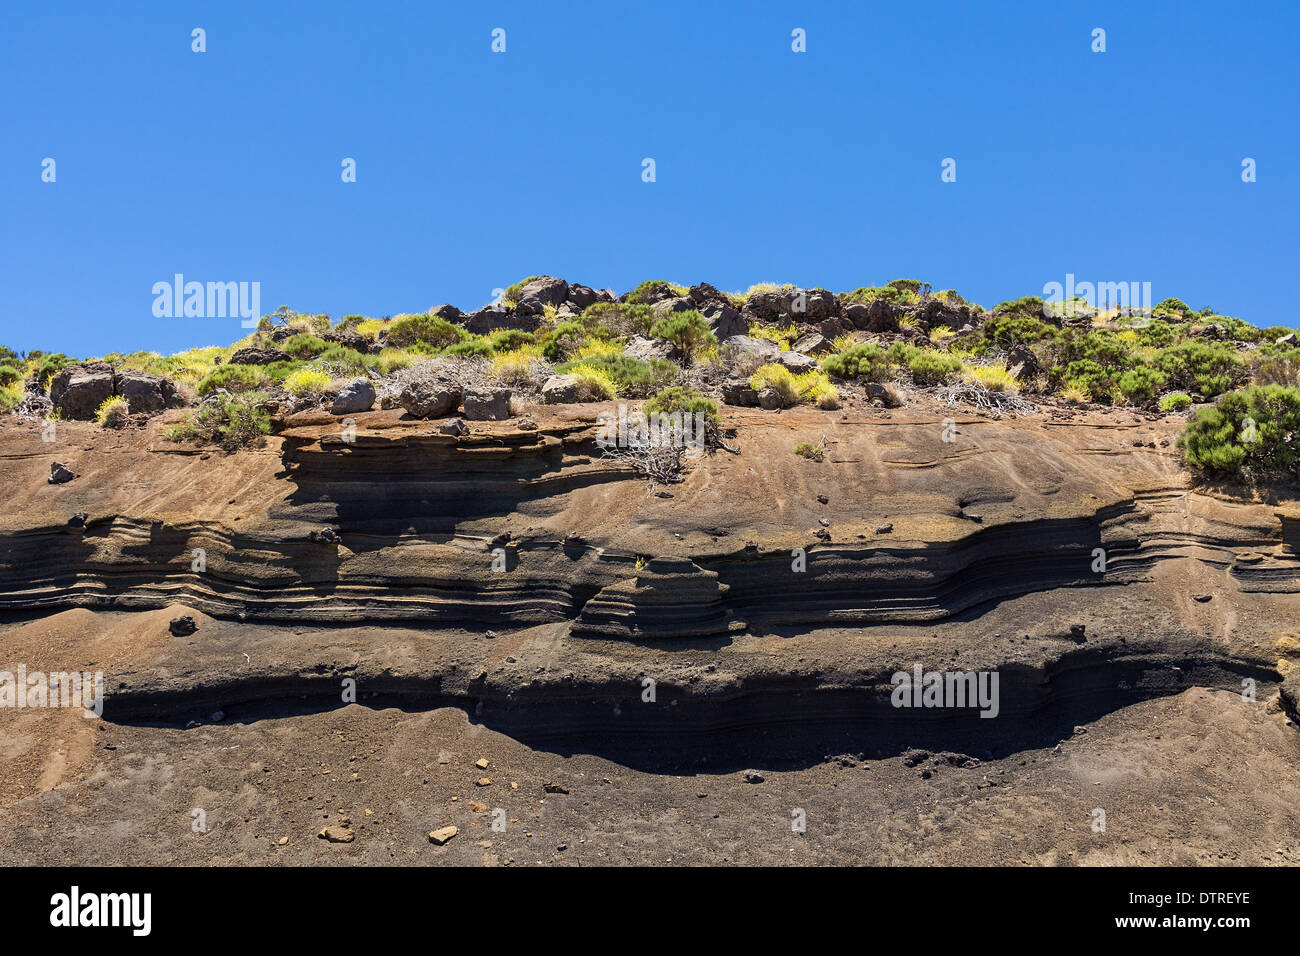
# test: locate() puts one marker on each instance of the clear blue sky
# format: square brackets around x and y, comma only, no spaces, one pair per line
[475,169]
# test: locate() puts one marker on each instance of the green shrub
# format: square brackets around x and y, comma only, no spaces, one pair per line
[233,378]
[889,293]
[1139,385]
[1029,306]
[933,368]
[866,360]
[9,374]
[652,290]
[1210,369]
[1175,402]
[688,330]
[507,340]
[233,421]
[427,329]
[620,318]
[1257,428]
[563,340]
[679,398]
[307,381]
[48,366]
[1173,307]
[1007,331]
[344,359]
[513,290]
[1159,334]
[304,346]
[632,376]
[479,347]
[806,449]
[113,412]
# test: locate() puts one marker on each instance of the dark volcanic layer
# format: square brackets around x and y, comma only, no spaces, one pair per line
[518,579]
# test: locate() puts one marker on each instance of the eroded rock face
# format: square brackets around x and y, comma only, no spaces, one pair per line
[429,399]
[356,396]
[78,390]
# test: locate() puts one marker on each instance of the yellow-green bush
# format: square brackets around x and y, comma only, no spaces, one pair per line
[306,380]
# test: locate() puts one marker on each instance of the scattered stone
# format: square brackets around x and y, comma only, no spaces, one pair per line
[886,528]
[182,626]
[337,834]
[454,427]
[483,782]
[325,536]
[357,395]
[798,362]
[78,520]
[770,399]
[555,788]
[1202,598]
[481,763]
[738,392]
[488,404]
[753,776]
[60,473]
[476,807]
[441,836]
[1078,631]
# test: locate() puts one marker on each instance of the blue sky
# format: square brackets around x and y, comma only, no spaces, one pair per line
[475,168]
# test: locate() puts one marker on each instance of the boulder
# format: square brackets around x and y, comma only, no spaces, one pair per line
[655,291]
[738,392]
[770,399]
[541,292]
[357,395]
[676,304]
[814,343]
[561,390]
[429,399]
[887,395]
[1022,362]
[146,393]
[705,294]
[725,319]
[449,312]
[257,356]
[798,362]
[60,473]
[1288,339]
[487,404]
[648,350]
[814,305]
[582,296]
[770,306]
[749,345]
[454,427]
[78,390]
[182,626]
